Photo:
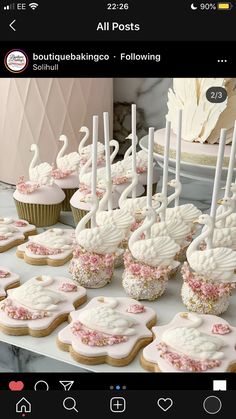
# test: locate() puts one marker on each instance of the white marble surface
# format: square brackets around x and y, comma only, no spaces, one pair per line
[25,353]
[150,94]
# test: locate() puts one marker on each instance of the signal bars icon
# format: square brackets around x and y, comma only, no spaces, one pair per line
[9,7]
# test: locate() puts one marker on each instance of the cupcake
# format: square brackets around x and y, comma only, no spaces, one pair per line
[38,200]
[66,174]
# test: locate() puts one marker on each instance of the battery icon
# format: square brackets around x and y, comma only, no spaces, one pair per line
[224,6]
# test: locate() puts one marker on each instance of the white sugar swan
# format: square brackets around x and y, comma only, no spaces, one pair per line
[86,150]
[158,251]
[135,206]
[226,215]
[117,217]
[173,227]
[69,161]
[191,342]
[217,264]
[102,240]
[86,174]
[41,173]
[104,318]
[188,212]
[36,295]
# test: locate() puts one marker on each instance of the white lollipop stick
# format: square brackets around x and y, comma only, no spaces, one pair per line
[150,172]
[178,152]
[166,165]
[108,160]
[231,165]
[94,164]
[217,179]
[133,111]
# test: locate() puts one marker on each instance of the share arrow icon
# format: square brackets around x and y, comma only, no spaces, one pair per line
[67,384]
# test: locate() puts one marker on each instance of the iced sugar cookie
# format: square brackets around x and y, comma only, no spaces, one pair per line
[192,343]
[107,330]
[14,232]
[38,306]
[7,280]
[53,247]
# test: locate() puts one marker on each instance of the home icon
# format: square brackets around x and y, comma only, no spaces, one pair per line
[23,406]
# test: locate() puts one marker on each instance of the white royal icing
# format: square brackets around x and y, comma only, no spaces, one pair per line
[35,294]
[106,319]
[193,343]
[55,238]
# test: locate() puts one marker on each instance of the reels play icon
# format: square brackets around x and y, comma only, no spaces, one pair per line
[16,61]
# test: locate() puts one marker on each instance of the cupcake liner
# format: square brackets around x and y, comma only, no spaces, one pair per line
[38,214]
[78,214]
[66,203]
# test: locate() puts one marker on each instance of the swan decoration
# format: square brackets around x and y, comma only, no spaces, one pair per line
[226,215]
[116,169]
[54,238]
[158,251]
[68,162]
[41,173]
[216,264]
[224,236]
[174,228]
[84,150]
[190,341]
[135,206]
[36,295]
[7,231]
[105,319]
[119,218]
[188,212]
[103,239]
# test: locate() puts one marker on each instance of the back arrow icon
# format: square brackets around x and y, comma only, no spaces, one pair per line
[11,25]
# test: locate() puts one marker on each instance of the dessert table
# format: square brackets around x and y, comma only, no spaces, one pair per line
[166,307]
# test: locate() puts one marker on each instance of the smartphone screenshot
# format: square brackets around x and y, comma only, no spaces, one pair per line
[117,208]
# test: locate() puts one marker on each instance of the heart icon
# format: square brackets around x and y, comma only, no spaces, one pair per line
[16,385]
[164,404]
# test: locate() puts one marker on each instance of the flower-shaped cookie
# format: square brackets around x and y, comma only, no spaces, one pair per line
[7,280]
[39,305]
[192,343]
[108,330]
[53,247]
[14,232]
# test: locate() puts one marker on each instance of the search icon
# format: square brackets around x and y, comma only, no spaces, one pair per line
[69,404]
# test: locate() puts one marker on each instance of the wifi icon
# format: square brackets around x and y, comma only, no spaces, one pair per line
[33,6]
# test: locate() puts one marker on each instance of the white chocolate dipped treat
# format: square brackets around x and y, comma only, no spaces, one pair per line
[107,330]
[187,212]
[158,251]
[192,343]
[8,280]
[102,240]
[215,264]
[53,246]
[39,305]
